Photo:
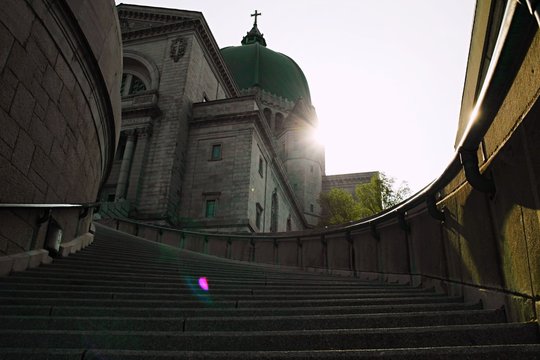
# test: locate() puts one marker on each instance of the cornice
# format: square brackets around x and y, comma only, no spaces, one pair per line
[135,12]
[172,24]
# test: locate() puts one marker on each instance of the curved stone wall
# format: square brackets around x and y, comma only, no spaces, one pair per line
[60,70]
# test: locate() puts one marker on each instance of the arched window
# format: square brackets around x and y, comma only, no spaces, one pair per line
[279,122]
[274,213]
[131,85]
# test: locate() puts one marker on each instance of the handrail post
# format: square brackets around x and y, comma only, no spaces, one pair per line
[228,251]
[374,232]
[275,251]
[352,255]
[403,224]
[325,252]
[299,258]
[252,252]
[182,240]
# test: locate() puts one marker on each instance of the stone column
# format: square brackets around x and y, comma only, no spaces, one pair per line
[121,186]
[137,165]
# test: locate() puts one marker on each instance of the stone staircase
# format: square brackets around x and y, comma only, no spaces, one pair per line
[127,298]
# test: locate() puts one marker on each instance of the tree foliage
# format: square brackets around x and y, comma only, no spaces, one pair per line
[339,206]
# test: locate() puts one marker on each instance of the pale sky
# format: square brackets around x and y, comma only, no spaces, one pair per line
[386,76]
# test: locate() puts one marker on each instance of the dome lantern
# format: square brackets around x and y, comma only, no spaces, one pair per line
[254,35]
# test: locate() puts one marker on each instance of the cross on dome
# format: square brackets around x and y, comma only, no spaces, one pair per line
[256,14]
[254,35]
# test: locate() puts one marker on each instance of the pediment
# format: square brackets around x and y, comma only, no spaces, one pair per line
[135,18]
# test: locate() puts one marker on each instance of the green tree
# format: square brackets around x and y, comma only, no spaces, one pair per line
[338,207]
[391,194]
[369,197]
[380,193]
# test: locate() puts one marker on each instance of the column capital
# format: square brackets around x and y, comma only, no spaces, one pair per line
[144,131]
[130,133]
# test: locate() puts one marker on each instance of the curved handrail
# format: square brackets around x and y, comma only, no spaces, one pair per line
[49,206]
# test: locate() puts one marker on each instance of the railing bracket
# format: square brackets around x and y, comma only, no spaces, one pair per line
[374,232]
[469,161]
[46,216]
[433,210]
[403,224]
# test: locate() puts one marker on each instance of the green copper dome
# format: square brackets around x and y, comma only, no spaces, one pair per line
[254,65]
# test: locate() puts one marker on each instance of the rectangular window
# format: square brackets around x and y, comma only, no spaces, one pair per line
[311,207]
[258,217]
[261,166]
[216,152]
[210,208]
[289,225]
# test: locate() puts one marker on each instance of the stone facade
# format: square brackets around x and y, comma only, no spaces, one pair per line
[60,68]
[247,176]
[180,104]
[150,170]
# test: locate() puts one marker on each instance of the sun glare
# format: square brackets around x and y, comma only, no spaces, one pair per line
[319,136]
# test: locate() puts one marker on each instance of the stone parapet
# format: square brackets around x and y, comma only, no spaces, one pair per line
[23,261]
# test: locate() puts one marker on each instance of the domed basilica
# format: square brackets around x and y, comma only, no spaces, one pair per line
[215,139]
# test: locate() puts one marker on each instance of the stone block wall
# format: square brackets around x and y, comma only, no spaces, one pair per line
[225,180]
[182,82]
[59,108]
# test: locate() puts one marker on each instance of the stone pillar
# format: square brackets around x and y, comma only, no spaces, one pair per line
[137,165]
[121,187]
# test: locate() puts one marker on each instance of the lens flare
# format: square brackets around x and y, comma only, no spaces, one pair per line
[199,287]
[203,283]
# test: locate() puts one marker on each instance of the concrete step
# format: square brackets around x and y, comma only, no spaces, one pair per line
[126,298]
[209,262]
[485,352]
[128,276]
[148,288]
[204,300]
[119,311]
[75,264]
[168,272]
[196,291]
[253,323]
[388,338]
[66,278]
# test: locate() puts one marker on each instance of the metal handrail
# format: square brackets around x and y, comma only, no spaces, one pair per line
[49,206]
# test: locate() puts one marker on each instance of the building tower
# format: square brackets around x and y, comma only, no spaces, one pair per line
[282,88]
